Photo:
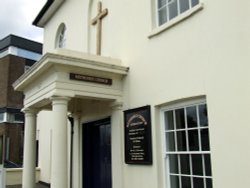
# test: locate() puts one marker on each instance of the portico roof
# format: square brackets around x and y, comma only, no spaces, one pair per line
[51,76]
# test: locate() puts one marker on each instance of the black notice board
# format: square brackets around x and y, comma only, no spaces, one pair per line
[138,141]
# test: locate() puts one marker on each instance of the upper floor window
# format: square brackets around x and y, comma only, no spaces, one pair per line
[187,149]
[169,9]
[61,36]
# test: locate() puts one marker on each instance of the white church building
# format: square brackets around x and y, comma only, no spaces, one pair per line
[149,94]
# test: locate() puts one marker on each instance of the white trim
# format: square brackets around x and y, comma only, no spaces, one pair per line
[19,52]
[175,20]
[181,104]
[72,60]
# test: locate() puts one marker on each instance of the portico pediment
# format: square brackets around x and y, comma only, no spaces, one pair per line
[95,77]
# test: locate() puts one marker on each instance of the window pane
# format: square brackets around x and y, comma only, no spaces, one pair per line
[170,141]
[173,164]
[180,120]
[19,117]
[197,164]
[174,180]
[173,12]
[195,2]
[191,117]
[184,5]
[1,116]
[209,183]
[161,3]
[208,165]
[163,16]
[198,182]
[205,140]
[169,124]
[203,115]
[185,181]
[185,165]
[193,140]
[181,141]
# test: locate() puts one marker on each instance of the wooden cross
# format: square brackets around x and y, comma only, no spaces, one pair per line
[98,21]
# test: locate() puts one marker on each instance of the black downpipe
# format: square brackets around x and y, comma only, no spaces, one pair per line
[71,120]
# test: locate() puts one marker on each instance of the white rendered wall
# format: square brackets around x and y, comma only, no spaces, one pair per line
[45,121]
[206,54]
[72,13]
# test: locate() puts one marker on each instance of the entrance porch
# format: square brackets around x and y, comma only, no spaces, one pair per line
[80,86]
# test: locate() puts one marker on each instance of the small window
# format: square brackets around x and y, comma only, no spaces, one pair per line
[19,117]
[15,117]
[187,149]
[61,36]
[26,68]
[169,9]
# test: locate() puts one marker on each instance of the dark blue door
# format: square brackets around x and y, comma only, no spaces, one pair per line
[97,154]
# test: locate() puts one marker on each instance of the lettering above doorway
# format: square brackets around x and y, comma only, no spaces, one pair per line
[88,78]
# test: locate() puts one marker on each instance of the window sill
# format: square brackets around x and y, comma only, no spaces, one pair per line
[176,20]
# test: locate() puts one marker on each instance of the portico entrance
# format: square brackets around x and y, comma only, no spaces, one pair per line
[97,154]
[80,84]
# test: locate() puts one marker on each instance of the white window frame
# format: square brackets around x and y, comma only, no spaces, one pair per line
[165,154]
[157,29]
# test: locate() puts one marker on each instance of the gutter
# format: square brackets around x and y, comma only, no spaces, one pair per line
[50,7]
[42,12]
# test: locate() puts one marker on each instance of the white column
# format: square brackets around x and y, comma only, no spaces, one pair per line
[59,157]
[76,151]
[117,144]
[29,160]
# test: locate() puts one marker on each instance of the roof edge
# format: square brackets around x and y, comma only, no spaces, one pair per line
[87,61]
[42,12]
[20,42]
[46,12]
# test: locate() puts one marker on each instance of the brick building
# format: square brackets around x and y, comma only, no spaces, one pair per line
[16,56]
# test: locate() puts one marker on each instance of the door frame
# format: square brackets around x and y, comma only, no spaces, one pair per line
[86,129]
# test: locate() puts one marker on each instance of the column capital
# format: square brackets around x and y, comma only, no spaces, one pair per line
[76,114]
[59,99]
[116,105]
[30,111]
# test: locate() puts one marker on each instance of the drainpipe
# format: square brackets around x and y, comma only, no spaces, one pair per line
[71,120]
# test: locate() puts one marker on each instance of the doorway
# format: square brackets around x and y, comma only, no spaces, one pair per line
[97,154]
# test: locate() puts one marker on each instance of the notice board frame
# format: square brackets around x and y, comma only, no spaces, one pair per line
[138,136]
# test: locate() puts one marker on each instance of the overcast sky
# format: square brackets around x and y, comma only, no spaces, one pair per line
[16,17]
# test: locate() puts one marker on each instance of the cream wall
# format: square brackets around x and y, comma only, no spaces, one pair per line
[44,123]
[72,13]
[206,54]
